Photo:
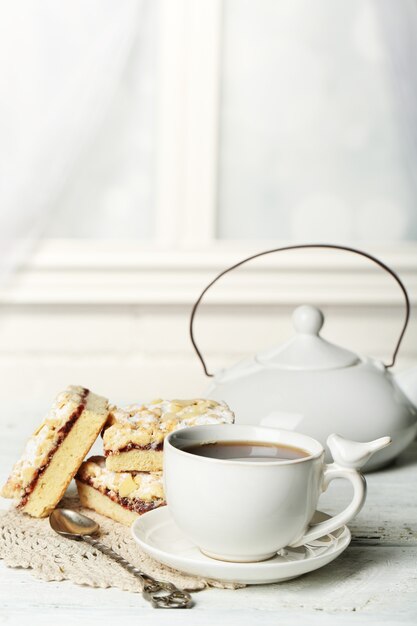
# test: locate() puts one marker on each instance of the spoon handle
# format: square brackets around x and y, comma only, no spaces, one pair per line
[162,595]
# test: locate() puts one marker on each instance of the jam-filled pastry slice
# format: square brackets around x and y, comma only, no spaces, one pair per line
[56,450]
[133,440]
[122,496]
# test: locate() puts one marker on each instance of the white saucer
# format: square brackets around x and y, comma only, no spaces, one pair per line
[158,536]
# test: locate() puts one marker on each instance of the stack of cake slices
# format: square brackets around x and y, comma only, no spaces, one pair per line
[127,480]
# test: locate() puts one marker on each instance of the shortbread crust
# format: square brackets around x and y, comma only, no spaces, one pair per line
[93,499]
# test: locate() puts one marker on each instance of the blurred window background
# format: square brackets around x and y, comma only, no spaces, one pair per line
[310,109]
[314,135]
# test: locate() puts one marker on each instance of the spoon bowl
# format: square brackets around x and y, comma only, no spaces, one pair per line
[72,524]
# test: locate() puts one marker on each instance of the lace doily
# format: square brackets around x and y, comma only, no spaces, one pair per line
[32,544]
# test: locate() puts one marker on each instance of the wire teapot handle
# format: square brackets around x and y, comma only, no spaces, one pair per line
[299,247]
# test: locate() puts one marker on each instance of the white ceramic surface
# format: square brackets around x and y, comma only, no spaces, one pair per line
[159,536]
[246,511]
[312,386]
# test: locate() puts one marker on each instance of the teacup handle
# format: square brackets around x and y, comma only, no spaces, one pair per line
[348,457]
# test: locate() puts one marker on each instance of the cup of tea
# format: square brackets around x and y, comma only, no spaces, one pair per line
[241,493]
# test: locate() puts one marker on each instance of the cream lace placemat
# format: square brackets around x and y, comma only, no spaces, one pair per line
[32,544]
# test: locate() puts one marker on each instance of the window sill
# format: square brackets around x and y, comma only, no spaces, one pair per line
[132,273]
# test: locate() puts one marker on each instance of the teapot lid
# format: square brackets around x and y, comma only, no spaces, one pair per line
[307,350]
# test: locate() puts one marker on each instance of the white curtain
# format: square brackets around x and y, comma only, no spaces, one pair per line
[60,64]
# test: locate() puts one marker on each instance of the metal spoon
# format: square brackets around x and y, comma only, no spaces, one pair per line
[74,525]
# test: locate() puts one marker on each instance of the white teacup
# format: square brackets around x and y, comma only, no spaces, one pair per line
[245,511]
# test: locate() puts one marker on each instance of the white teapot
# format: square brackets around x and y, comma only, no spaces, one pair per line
[315,387]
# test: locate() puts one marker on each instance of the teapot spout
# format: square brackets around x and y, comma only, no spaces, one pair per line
[407,382]
[354,454]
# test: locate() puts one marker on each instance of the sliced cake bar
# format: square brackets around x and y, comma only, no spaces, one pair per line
[121,496]
[56,450]
[133,440]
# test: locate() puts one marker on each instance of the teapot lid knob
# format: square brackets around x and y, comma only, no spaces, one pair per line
[308,319]
[307,350]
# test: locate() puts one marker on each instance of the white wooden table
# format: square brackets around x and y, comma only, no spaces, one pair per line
[373,582]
